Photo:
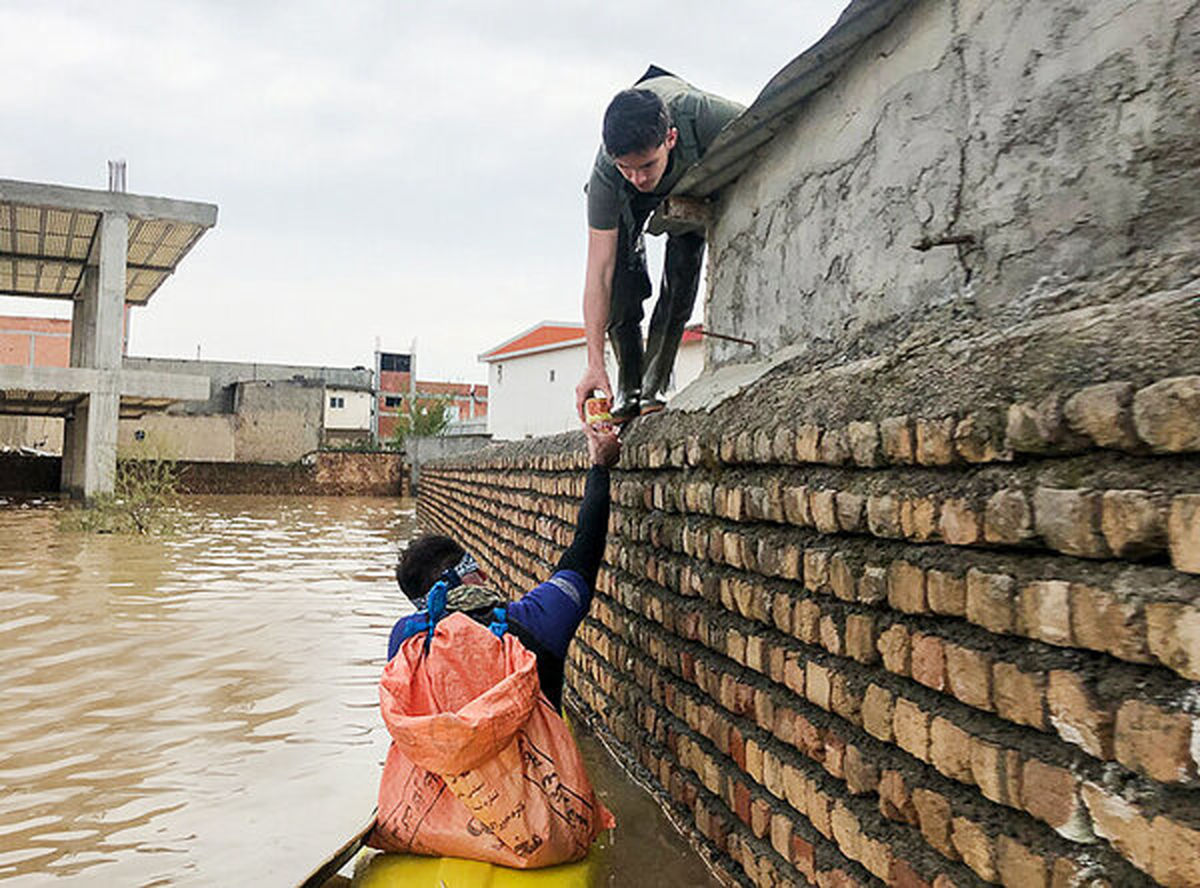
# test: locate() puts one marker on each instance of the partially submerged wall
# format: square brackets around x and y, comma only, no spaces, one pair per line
[326,473]
[329,473]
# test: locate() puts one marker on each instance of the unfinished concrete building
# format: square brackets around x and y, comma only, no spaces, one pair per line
[104,251]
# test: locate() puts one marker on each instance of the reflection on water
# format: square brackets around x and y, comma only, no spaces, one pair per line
[202,709]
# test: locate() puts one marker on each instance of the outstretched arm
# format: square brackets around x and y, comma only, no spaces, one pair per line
[591,530]
[597,294]
[591,527]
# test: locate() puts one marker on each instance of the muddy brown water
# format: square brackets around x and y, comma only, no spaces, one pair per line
[201,709]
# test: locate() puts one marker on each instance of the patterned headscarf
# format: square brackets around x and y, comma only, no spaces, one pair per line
[459,596]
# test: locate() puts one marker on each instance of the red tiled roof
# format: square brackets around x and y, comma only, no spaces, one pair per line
[544,335]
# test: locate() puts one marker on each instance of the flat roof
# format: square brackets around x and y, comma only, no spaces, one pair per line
[48,235]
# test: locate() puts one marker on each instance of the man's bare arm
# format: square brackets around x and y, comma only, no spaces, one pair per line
[597,295]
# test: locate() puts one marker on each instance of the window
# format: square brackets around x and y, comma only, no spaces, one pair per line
[391,362]
[552,376]
[337,402]
[392,401]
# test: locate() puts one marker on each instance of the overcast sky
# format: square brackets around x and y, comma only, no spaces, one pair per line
[398,170]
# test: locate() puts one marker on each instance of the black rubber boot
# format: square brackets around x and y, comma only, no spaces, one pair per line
[626,342]
[630,288]
[677,295]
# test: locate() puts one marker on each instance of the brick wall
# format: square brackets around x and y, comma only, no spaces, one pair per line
[331,473]
[931,618]
[322,474]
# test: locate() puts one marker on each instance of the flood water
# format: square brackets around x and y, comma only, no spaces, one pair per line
[201,709]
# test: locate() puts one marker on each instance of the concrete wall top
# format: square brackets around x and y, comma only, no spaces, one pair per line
[224,374]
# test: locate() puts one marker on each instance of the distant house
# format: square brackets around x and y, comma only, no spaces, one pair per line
[256,412]
[532,378]
[466,403]
[348,413]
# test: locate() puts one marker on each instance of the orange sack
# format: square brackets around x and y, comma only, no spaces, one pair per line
[481,765]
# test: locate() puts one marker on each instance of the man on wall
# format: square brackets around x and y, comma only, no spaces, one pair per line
[652,135]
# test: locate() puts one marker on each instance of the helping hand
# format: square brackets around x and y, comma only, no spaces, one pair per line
[604,447]
[593,378]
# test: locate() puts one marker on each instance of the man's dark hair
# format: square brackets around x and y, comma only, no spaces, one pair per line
[636,120]
[424,561]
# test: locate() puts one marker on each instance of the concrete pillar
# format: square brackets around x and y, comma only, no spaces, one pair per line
[74,448]
[83,314]
[97,336]
[103,309]
[93,446]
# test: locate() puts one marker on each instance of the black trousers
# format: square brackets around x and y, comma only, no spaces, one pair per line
[631,287]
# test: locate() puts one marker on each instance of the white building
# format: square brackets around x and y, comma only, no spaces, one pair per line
[347,413]
[532,378]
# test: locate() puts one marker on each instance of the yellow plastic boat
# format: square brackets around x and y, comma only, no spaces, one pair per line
[373,869]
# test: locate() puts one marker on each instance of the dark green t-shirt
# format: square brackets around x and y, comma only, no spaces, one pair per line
[698,116]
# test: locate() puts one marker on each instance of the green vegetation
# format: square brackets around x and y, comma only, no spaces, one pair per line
[143,501]
[426,417]
[144,497]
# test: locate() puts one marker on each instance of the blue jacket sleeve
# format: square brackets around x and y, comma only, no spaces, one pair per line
[553,610]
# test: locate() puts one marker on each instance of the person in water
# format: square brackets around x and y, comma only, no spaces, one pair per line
[438,575]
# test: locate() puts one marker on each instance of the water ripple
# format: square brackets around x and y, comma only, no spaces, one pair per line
[166,704]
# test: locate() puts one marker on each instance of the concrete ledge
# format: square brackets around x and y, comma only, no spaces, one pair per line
[84,380]
[89,200]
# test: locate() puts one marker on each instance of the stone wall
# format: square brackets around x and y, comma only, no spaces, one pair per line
[319,474]
[330,473]
[925,620]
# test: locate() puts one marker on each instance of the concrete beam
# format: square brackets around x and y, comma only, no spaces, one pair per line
[62,197]
[85,380]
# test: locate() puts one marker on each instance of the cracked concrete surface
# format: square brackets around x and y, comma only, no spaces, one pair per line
[1060,136]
